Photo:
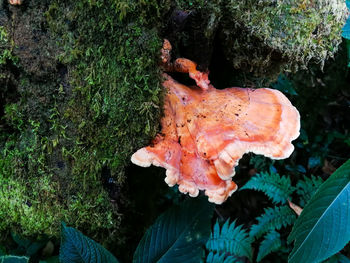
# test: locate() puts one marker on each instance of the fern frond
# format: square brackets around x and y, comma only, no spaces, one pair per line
[277,188]
[230,239]
[273,219]
[221,258]
[271,243]
[307,187]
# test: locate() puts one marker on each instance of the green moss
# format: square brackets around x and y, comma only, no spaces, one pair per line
[90,106]
[8,61]
[35,195]
[116,93]
[191,4]
[6,47]
[270,35]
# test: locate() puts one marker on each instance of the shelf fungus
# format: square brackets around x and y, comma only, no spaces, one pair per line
[15,2]
[206,131]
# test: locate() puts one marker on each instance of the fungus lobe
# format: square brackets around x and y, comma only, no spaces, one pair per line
[206,131]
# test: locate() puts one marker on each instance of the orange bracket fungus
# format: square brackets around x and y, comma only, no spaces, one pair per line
[206,131]
[15,2]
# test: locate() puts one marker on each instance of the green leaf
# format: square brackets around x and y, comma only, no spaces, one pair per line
[277,188]
[338,258]
[26,246]
[221,258]
[14,259]
[306,188]
[230,239]
[177,235]
[273,219]
[20,241]
[346,29]
[323,228]
[77,248]
[34,248]
[271,243]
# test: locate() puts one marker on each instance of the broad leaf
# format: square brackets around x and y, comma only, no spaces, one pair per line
[323,228]
[178,235]
[20,241]
[346,29]
[26,246]
[77,248]
[230,239]
[338,258]
[14,259]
